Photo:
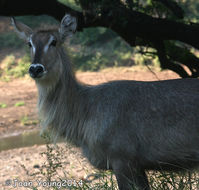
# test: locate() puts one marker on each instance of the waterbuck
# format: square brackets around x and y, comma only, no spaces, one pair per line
[125,126]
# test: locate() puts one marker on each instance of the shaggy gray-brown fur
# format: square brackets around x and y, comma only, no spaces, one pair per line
[126,126]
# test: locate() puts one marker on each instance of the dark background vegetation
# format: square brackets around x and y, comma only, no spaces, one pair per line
[113,32]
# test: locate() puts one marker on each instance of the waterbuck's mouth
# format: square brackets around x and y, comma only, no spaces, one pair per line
[37,71]
[41,75]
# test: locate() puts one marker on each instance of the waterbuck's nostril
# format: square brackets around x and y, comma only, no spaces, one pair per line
[36,70]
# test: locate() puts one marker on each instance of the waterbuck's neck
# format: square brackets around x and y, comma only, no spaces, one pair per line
[59,102]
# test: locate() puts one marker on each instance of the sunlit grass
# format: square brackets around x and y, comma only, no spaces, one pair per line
[25,120]
[3,105]
[18,104]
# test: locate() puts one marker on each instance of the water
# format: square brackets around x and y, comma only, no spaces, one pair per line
[25,139]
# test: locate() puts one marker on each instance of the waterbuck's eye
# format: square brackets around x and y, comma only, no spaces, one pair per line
[53,43]
[29,44]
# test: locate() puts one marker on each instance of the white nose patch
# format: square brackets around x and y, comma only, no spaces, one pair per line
[36,65]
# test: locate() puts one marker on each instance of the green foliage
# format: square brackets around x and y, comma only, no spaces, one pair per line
[96,48]
[48,171]
[93,49]
[6,65]
[37,21]
[3,105]
[191,8]
[155,8]
[89,36]
[145,56]
[99,48]
[53,161]
[71,3]
[10,39]
[13,68]
[18,104]
[25,120]
[22,67]
[53,157]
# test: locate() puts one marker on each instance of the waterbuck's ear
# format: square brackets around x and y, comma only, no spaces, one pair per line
[21,29]
[68,26]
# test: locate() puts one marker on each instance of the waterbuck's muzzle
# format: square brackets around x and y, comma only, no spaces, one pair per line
[36,70]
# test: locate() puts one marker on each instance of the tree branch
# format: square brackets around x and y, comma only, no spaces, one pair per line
[35,7]
[184,56]
[175,54]
[127,23]
[167,63]
[130,24]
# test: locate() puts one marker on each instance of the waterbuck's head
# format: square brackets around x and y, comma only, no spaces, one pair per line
[46,63]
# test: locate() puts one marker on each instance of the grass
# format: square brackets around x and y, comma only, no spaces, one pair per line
[174,181]
[18,104]
[3,105]
[105,180]
[25,120]
[11,67]
[48,172]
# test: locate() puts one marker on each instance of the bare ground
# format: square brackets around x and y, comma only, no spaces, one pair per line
[16,119]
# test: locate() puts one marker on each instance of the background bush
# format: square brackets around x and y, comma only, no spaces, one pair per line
[93,49]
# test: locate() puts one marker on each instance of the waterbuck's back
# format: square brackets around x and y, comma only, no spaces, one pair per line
[156,121]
